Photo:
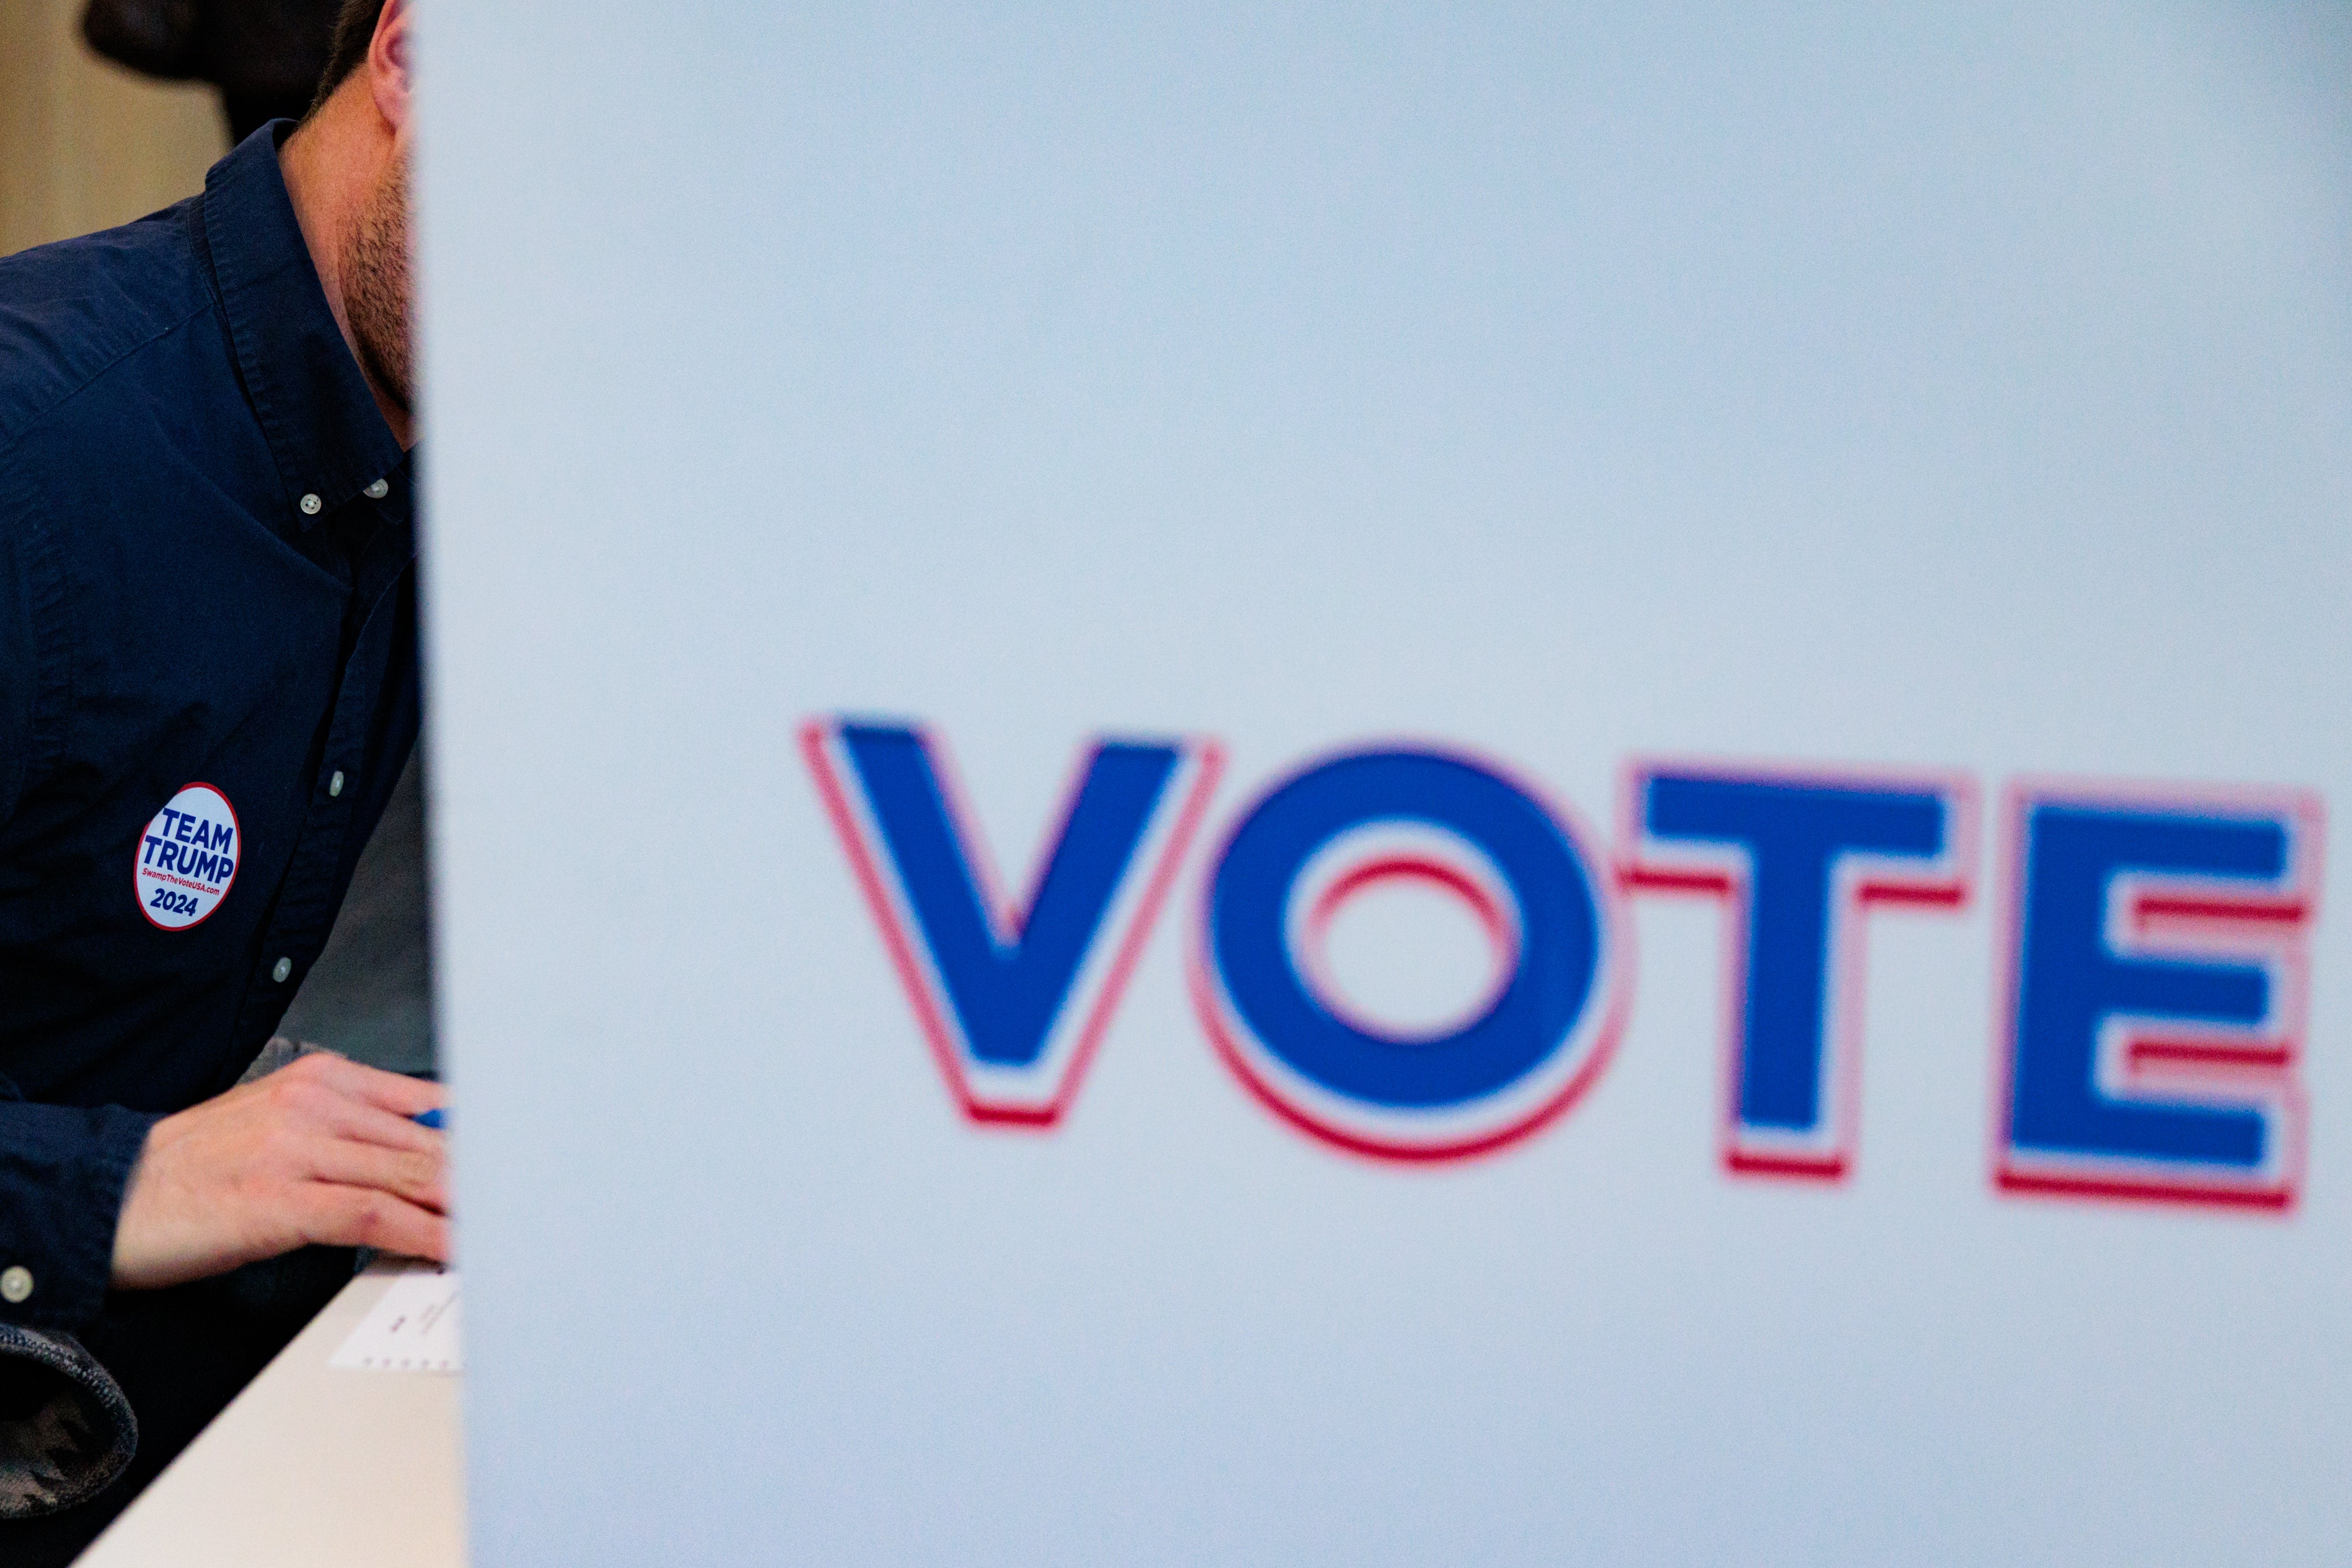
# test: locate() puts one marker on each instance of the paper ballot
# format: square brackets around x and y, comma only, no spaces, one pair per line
[412,1327]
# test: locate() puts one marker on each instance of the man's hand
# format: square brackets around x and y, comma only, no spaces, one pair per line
[322,1150]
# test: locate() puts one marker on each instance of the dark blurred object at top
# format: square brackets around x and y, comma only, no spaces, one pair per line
[265,56]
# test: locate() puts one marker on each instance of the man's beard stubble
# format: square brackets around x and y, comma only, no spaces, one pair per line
[376,292]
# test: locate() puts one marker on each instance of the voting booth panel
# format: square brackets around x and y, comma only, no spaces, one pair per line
[1349,785]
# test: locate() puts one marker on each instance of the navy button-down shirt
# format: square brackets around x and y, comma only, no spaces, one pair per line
[206,579]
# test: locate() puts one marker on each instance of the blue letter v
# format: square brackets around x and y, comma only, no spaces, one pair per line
[995,986]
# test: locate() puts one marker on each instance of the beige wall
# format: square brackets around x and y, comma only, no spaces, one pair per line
[85,144]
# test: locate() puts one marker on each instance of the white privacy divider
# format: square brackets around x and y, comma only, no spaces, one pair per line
[1343,784]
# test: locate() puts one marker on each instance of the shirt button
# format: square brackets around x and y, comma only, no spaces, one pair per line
[16,1284]
[280,969]
[379,489]
[335,784]
[311,504]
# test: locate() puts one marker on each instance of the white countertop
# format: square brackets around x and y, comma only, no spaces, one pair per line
[311,1466]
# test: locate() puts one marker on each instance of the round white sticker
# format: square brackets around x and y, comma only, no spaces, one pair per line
[188,858]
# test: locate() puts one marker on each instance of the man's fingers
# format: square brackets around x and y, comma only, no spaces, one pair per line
[391,1091]
[419,1178]
[364,1216]
[366,1123]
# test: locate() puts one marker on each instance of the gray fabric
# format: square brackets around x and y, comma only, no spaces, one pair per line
[66,1429]
[279,1052]
[370,995]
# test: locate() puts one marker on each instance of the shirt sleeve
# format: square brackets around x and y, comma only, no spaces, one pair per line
[20,548]
[63,1169]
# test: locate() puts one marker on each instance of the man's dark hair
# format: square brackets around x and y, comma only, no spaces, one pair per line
[354,31]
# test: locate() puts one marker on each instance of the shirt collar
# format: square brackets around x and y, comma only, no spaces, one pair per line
[328,437]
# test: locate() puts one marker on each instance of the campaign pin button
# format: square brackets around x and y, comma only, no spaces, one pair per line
[188,858]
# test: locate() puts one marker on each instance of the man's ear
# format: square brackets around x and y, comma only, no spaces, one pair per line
[387,65]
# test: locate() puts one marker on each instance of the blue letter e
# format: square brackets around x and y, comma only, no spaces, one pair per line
[2157,998]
